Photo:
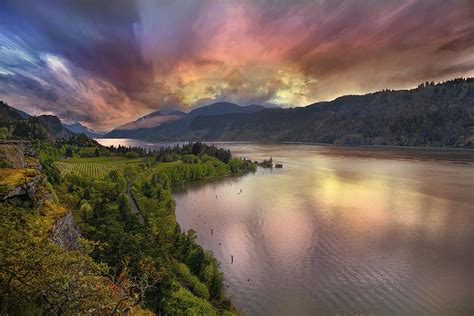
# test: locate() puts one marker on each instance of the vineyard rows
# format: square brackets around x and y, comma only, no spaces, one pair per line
[93,169]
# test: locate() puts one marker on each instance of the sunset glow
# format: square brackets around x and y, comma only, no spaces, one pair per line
[105,64]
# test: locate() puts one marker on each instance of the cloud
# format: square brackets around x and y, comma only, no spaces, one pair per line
[108,62]
[45,83]
[19,84]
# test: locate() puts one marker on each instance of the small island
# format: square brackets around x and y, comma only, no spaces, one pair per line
[268,164]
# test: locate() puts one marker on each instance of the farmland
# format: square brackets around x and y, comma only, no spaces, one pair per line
[94,167]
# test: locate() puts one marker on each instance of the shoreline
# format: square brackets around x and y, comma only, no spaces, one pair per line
[452,149]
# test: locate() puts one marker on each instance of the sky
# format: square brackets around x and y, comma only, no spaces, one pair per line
[105,63]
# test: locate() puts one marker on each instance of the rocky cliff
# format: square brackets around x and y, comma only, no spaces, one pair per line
[20,172]
[22,181]
[65,233]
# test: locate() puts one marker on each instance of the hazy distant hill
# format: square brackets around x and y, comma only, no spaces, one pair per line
[150,120]
[78,128]
[177,121]
[220,108]
[440,115]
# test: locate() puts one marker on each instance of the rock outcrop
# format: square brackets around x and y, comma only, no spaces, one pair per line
[65,233]
[20,172]
[21,178]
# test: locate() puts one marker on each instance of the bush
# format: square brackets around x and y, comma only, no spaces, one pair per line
[5,164]
[191,282]
[51,171]
[131,155]
[190,159]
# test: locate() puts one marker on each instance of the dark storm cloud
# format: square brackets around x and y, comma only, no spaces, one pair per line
[12,82]
[97,36]
[107,62]
[345,36]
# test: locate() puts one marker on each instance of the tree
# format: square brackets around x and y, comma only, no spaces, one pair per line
[52,173]
[197,148]
[36,274]
[69,152]
[132,155]
[235,165]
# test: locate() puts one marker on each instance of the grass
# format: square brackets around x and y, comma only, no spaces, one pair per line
[165,165]
[51,213]
[11,178]
[11,155]
[98,167]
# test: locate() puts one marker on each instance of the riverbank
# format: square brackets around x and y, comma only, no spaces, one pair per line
[125,214]
[439,153]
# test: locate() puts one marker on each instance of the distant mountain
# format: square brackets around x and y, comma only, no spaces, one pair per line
[22,125]
[440,115]
[78,128]
[151,115]
[176,121]
[176,113]
[150,120]
[221,108]
[432,115]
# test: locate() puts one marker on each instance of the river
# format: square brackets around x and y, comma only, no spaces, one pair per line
[340,230]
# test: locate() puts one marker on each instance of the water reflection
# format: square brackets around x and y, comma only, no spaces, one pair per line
[337,233]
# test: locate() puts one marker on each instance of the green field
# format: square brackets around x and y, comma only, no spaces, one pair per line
[94,167]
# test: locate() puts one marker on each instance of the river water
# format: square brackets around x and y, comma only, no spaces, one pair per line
[340,230]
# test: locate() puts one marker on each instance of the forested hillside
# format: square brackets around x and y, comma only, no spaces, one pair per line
[79,244]
[182,122]
[432,115]
[17,124]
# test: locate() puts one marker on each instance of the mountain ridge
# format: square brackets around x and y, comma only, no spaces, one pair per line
[19,124]
[180,122]
[149,120]
[432,115]
[78,128]
[11,116]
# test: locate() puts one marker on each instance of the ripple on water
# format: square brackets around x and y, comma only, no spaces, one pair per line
[328,235]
